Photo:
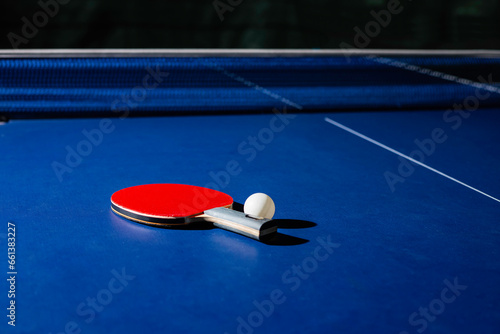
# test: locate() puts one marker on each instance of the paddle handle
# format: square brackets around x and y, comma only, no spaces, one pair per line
[238,222]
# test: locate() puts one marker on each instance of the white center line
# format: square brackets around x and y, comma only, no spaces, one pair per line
[373,141]
[253,85]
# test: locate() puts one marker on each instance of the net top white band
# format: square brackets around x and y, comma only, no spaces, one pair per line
[129,53]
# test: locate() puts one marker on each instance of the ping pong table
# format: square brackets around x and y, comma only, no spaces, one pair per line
[382,164]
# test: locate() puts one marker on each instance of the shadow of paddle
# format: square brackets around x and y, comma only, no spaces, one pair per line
[195,225]
[294,223]
[280,239]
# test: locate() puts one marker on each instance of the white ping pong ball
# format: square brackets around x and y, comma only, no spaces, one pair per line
[259,206]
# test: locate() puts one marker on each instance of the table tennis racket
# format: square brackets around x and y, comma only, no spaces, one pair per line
[179,204]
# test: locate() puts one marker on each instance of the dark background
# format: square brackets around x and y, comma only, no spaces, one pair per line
[429,24]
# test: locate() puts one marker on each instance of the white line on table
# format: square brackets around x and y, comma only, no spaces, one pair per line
[433,73]
[373,141]
[253,85]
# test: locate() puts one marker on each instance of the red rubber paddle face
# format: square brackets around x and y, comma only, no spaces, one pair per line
[166,201]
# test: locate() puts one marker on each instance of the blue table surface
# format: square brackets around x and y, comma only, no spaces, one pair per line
[353,256]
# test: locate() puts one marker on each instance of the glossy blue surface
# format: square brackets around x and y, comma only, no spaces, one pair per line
[390,252]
